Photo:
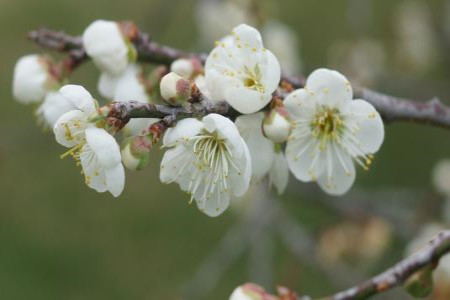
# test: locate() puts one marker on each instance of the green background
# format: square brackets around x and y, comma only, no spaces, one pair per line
[61,240]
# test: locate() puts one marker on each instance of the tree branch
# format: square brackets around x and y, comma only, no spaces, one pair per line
[391,108]
[398,274]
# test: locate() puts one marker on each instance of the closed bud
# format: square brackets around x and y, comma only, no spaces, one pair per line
[277,125]
[250,291]
[420,284]
[186,68]
[175,90]
[136,152]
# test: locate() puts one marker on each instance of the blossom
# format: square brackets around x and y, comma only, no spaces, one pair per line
[186,68]
[267,157]
[209,160]
[241,71]
[53,107]
[32,79]
[106,45]
[175,89]
[93,148]
[330,131]
[251,291]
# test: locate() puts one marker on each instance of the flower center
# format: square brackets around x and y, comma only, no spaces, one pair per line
[252,79]
[326,125]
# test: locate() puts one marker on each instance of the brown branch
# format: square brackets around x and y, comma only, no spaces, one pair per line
[398,274]
[391,108]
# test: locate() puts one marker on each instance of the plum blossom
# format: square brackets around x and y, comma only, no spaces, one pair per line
[330,131]
[93,148]
[267,157]
[32,79]
[241,71]
[107,46]
[209,160]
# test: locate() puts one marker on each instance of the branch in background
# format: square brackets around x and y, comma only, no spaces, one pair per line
[401,272]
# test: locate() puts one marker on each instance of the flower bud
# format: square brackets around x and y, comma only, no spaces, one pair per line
[175,90]
[136,152]
[32,79]
[250,291]
[277,125]
[186,68]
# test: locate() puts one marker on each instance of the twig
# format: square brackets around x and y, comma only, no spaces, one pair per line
[398,274]
[391,108]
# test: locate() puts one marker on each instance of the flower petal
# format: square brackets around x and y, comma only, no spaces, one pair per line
[115,179]
[171,164]
[370,133]
[92,170]
[273,72]
[184,129]
[330,88]
[279,172]
[248,36]
[79,97]
[241,181]
[261,149]
[226,130]
[70,127]
[53,107]
[215,205]
[304,159]
[245,100]
[106,85]
[300,105]
[339,174]
[104,146]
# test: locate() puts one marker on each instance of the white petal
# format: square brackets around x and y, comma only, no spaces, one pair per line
[371,129]
[131,87]
[53,107]
[171,162]
[300,104]
[93,171]
[104,146]
[240,181]
[115,179]
[184,130]
[302,161]
[272,70]
[339,174]
[246,101]
[79,97]
[226,130]
[30,76]
[249,35]
[135,127]
[279,172]
[104,42]
[70,127]
[330,88]
[107,84]
[216,205]
[261,149]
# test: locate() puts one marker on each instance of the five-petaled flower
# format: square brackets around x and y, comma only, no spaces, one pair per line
[93,148]
[241,71]
[209,160]
[330,131]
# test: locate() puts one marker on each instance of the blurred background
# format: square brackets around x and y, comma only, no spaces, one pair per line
[61,240]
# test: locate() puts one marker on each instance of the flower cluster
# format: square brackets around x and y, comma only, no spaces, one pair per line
[317,133]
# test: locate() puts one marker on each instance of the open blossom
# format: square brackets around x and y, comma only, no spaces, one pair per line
[93,148]
[241,71]
[32,79]
[267,157]
[106,45]
[209,160]
[330,131]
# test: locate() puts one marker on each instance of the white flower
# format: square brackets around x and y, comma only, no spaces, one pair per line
[32,79]
[93,148]
[241,71]
[106,45]
[426,234]
[267,157]
[69,128]
[330,131]
[209,160]
[101,162]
